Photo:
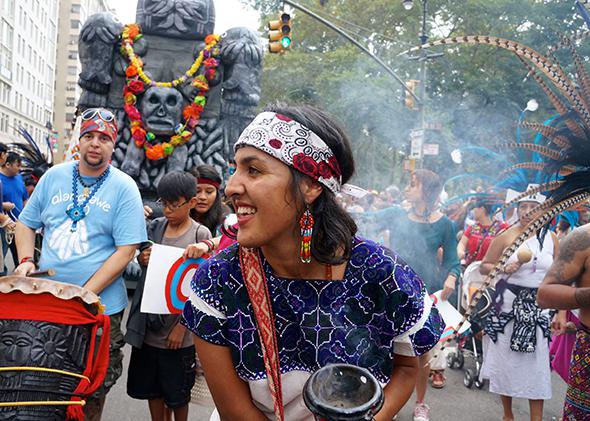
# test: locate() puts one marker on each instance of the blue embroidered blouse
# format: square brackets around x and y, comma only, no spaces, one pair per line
[380,308]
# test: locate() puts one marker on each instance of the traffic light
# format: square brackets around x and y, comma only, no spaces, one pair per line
[279,33]
[409,99]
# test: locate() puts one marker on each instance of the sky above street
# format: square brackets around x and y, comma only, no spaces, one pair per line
[228,14]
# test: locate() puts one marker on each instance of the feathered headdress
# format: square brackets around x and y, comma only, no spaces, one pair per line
[35,163]
[565,157]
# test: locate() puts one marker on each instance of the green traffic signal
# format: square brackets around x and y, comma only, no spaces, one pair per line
[286,42]
[279,34]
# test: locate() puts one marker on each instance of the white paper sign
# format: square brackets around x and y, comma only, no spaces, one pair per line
[450,315]
[167,282]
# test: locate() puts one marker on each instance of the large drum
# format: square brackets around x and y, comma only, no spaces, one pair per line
[54,345]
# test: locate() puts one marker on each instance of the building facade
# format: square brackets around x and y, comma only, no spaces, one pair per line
[28,33]
[72,15]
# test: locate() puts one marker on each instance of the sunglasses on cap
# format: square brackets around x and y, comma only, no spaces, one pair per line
[105,115]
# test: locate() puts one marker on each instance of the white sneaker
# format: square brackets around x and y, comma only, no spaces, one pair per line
[421,412]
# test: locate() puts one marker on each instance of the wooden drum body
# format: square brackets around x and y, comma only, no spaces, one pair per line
[50,357]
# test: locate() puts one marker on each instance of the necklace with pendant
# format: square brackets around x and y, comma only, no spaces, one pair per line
[76,213]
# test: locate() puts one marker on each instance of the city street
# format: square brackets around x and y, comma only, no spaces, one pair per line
[451,403]
[308,171]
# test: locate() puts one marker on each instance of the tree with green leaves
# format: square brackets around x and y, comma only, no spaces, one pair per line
[475,93]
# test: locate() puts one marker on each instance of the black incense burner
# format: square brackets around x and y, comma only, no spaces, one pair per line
[343,392]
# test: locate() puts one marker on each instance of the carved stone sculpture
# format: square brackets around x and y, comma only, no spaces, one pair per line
[173,36]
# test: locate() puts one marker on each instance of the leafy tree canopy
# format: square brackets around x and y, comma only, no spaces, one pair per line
[474,93]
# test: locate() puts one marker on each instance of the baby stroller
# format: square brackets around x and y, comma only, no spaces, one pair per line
[470,344]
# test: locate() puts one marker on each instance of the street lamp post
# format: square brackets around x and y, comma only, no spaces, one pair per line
[422,58]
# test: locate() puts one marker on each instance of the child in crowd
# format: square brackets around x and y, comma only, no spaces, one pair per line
[163,364]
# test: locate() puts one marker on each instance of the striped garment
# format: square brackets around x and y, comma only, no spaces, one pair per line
[577,400]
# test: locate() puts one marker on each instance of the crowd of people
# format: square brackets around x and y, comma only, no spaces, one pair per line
[308,276]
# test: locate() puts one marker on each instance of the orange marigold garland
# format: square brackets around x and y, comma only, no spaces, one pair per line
[136,84]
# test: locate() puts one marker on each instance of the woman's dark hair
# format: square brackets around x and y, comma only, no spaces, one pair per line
[431,187]
[214,216]
[177,184]
[334,228]
[483,204]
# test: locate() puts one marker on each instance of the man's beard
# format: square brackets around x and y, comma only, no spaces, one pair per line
[98,164]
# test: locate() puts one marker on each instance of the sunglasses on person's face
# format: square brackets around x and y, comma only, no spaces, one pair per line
[105,115]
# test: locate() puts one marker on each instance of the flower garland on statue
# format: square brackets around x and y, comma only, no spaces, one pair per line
[136,84]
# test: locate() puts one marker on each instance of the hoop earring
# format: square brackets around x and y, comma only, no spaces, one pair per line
[306,224]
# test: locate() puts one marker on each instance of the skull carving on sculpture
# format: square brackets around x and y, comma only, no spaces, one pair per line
[162,109]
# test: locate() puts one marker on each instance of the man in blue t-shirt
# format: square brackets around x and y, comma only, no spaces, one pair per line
[14,196]
[92,217]
[14,191]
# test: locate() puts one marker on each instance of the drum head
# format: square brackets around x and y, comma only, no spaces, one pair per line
[61,290]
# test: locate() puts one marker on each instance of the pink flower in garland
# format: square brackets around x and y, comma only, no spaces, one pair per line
[210,62]
[210,74]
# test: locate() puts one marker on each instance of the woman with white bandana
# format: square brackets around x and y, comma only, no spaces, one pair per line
[300,290]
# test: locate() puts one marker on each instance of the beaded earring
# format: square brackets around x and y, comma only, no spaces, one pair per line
[306,224]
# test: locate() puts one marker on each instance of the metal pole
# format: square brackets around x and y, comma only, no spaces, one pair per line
[423,59]
[357,44]
[423,40]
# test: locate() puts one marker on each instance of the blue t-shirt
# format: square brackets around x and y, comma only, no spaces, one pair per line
[14,191]
[114,218]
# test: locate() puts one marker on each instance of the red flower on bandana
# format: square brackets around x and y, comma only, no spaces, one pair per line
[325,170]
[335,166]
[283,118]
[275,143]
[305,164]
[136,86]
